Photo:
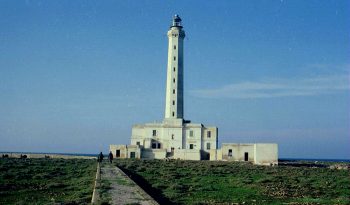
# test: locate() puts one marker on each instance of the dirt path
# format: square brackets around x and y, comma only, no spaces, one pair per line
[122,190]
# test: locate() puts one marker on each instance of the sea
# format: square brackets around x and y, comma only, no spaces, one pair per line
[320,160]
[95,155]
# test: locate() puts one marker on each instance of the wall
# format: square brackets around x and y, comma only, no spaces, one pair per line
[122,148]
[172,134]
[195,139]
[125,151]
[215,154]
[238,151]
[168,135]
[261,154]
[138,135]
[133,148]
[153,154]
[186,154]
[266,154]
[212,139]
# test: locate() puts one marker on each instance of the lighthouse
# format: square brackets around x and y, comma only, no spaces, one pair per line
[176,138]
[174,102]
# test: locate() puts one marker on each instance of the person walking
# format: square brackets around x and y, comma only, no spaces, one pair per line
[110,157]
[100,157]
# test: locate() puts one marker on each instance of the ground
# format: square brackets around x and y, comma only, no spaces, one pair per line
[71,181]
[117,188]
[46,181]
[207,182]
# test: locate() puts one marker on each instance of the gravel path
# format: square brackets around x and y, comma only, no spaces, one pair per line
[123,189]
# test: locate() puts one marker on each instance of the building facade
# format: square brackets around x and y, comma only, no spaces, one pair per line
[174,137]
[260,153]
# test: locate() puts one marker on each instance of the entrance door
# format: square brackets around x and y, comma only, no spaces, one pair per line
[246,156]
[230,152]
[117,153]
[132,155]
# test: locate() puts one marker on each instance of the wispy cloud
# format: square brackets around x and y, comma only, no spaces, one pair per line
[270,88]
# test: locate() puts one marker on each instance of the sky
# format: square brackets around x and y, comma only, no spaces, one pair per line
[76,75]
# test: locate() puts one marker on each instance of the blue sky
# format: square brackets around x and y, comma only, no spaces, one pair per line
[76,75]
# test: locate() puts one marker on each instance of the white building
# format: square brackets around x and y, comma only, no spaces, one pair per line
[261,153]
[175,137]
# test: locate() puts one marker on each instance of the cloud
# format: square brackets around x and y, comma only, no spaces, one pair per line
[270,88]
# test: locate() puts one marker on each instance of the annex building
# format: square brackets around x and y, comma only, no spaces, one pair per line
[177,138]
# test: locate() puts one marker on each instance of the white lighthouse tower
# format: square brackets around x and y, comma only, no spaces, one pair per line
[174,86]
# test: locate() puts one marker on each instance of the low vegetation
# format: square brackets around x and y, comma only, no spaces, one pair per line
[103,191]
[46,181]
[71,181]
[205,182]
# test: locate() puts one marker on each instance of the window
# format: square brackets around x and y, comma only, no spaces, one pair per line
[174,80]
[174,69]
[138,143]
[154,145]
[230,152]
[174,58]
[173,91]
[173,102]
[173,114]
[208,134]
[154,133]
[174,47]
[191,133]
[208,145]
[132,155]
[172,136]
[191,146]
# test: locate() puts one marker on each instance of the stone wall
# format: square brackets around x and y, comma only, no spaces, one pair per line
[153,154]
[187,154]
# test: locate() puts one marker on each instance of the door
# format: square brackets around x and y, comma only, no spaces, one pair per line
[132,155]
[246,156]
[117,153]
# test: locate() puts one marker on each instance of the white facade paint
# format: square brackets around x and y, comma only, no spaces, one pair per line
[261,153]
[177,138]
[125,151]
[172,138]
[174,85]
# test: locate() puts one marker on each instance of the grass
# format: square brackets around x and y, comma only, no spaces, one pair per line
[206,182]
[122,181]
[46,181]
[103,191]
